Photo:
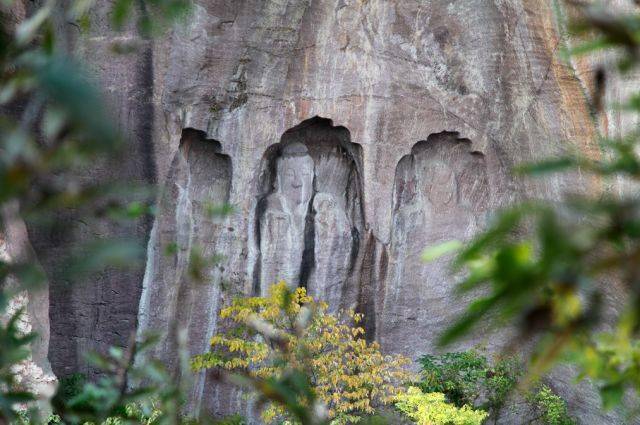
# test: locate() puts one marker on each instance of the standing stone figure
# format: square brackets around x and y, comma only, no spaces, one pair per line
[282,225]
[333,239]
[174,302]
[441,190]
[401,299]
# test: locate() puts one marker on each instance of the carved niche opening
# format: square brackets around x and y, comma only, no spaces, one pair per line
[199,177]
[440,194]
[309,216]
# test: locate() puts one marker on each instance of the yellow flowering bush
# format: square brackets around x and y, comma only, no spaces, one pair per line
[432,409]
[289,330]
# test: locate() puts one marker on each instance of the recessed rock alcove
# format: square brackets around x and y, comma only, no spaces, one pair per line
[199,178]
[440,194]
[309,215]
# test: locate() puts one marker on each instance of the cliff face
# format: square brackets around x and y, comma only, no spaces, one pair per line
[354,134]
[101,311]
[348,135]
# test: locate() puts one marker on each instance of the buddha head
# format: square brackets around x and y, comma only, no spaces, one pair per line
[294,170]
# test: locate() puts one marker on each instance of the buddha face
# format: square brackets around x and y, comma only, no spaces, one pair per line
[442,186]
[295,178]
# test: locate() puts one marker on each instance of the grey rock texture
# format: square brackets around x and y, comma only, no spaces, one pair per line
[100,311]
[349,135]
[430,104]
[441,193]
[175,296]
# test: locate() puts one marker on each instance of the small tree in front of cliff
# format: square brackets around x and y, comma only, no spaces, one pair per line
[288,330]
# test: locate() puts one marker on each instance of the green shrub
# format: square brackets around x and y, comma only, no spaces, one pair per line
[458,376]
[232,420]
[70,386]
[467,377]
[500,380]
[552,409]
[25,418]
[432,409]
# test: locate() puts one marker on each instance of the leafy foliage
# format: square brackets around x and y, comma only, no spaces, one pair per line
[548,267]
[151,16]
[53,125]
[458,375]
[15,349]
[467,378]
[289,334]
[501,381]
[232,420]
[156,399]
[432,409]
[612,358]
[552,409]
[24,418]
[70,386]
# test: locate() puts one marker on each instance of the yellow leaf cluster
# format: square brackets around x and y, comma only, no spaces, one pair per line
[432,409]
[350,375]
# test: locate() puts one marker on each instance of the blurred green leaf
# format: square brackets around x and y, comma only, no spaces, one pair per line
[434,252]
[543,167]
[611,395]
[96,255]
[28,29]
[120,12]
[70,89]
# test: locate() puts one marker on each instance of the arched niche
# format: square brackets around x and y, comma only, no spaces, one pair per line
[173,299]
[441,193]
[309,218]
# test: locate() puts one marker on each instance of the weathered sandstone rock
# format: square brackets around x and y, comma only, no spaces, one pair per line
[348,135]
[430,104]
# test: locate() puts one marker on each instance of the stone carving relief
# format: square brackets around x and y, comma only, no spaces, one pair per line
[310,218]
[440,194]
[283,223]
[333,236]
[173,299]
[309,231]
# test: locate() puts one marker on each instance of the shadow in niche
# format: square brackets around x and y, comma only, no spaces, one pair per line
[441,193]
[309,218]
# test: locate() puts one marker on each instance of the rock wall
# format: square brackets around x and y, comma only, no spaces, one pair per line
[359,132]
[348,135]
